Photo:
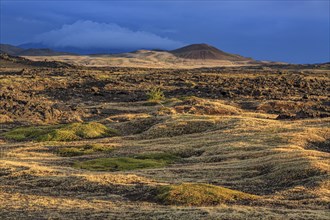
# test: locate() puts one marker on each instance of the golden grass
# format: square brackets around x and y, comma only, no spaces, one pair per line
[156,60]
[185,124]
[198,106]
[70,132]
[193,194]
[248,154]
[5,119]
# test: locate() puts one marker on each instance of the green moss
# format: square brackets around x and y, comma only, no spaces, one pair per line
[90,130]
[78,131]
[197,194]
[71,151]
[69,132]
[59,135]
[167,157]
[119,164]
[28,133]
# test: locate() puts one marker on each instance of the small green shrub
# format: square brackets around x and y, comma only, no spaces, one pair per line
[155,95]
[198,194]
[69,132]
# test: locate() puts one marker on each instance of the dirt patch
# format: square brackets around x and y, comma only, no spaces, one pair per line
[137,126]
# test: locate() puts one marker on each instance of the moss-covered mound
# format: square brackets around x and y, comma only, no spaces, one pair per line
[197,194]
[142,161]
[69,132]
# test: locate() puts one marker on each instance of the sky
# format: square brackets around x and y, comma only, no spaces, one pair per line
[295,31]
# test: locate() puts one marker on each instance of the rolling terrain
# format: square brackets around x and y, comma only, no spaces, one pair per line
[94,141]
[191,56]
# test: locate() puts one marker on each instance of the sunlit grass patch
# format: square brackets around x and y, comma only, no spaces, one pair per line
[182,125]
[69,132]
[5,119]
[198,194]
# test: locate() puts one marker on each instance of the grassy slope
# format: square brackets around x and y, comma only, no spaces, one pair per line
[70,132]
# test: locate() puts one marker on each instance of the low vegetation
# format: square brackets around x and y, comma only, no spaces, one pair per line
[155,95]
[119,164]
[83,150]
[224,132]
[181,125]
[166,157]
[142,161]
[69,132]
[198,194]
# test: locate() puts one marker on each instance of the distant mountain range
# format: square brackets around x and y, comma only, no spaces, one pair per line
[194,51]
[19,51]
[75,50]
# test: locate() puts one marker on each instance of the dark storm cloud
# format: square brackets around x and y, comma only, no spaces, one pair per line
[292,31]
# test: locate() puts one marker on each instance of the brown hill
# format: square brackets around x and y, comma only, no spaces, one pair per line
[205,52]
